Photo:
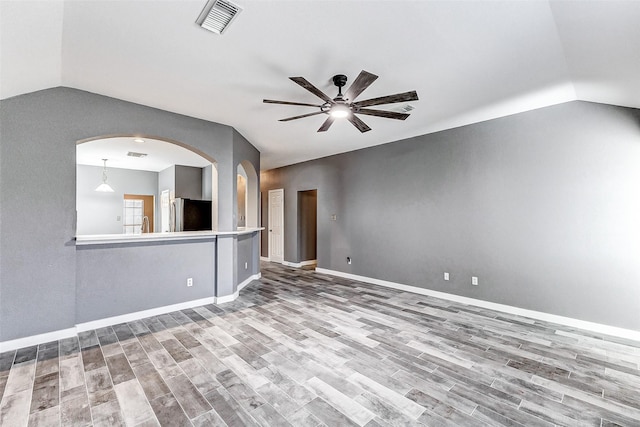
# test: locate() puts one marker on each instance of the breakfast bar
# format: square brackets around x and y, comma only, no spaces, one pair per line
[181,269]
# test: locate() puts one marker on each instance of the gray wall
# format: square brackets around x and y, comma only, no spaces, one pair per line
[207,191]
[167,179]
[98,212]
[245,255]
[243,150]
[38,136]
[147,276]
[185,181]
[188,182]
[323,175]
[542,206]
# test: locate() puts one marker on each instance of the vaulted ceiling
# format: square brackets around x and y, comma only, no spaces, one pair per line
[468,60]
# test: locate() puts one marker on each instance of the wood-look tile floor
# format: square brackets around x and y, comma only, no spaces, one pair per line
[303,349]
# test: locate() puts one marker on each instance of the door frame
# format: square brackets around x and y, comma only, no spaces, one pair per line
[273,193]
[149,206]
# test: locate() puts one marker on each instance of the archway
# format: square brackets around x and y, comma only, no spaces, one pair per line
[247,173]
[140,165]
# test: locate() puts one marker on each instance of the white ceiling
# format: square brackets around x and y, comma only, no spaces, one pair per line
[159,154]
[468,60]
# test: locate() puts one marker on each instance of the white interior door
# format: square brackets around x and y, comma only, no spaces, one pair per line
[276,225]
[164,211]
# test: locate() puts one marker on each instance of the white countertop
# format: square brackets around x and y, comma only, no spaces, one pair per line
[104,239]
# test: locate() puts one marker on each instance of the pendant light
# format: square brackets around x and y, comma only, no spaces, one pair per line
[104,187]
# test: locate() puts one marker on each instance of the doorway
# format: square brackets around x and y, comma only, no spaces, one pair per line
[138,213]
[307,226]
[276,225]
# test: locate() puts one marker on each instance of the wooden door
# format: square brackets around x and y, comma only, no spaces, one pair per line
[148,203]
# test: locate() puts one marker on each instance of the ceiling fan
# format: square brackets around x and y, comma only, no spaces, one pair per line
[345,106]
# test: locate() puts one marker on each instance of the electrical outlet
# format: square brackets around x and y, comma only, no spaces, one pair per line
[348,260]
[474,280]
[334,217]
[190,282]
[246,265]
[446,276]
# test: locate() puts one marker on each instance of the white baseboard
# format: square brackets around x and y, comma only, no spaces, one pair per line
[228,298]
[264,258]
[242,285]
[130,317]
[37,339]
[567,321]
[236,294]
[300,264]
[547,317]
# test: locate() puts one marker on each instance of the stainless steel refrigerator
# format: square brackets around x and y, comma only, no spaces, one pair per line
[190,215]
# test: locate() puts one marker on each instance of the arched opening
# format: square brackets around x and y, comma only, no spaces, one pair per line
[241,191]
[248,195]
[156,183]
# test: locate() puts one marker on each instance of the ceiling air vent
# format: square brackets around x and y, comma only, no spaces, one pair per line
[134,154]
[217,15]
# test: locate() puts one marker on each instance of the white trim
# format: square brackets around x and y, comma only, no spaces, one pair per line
[265,258]
[236,294]
[300,264]
[129,317]
[562,320]
[37,339]
[227,298]
[250,279]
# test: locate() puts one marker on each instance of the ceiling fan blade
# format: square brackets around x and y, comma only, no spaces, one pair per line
[385,114]
[302,116]
[362,126]
[327,124]
[311,88]
[361,82]
[271,101]
[389,99]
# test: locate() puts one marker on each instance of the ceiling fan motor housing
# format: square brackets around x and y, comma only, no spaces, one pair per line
[340,80]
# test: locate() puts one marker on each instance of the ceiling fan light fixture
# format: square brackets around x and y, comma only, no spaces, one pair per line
[340,111]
